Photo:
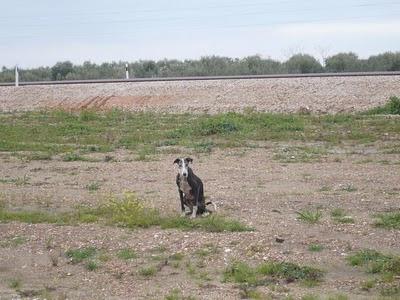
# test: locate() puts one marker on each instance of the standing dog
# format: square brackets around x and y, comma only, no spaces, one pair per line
[190,188]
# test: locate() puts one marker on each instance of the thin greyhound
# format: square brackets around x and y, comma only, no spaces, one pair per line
[190,188]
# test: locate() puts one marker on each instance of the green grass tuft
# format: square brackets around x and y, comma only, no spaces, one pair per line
[390,108]
[240,272]
[92,265]
[376,262]
[126,254]
[147,271]
[309,216]
[79,255]
[315,247]
[213,223]
[389,220]
[340,216]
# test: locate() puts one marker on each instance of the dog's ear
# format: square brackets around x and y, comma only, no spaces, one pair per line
[176,161]
[189,160]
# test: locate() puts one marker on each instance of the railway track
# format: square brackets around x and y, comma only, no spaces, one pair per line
[197,78]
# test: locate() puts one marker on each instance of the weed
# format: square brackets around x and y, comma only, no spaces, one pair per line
[309,216]
[14,241]
[15,283]
[325,189]
[71,156]
[93,186]
[126,254]
[212,223]
[368,284]
[128,211]
[349,188]
[250,293]
[207,250]
[299,154]
[92,265]
[390,108]
[240,272]
[309,297]
[376,262]
[19,181]
[147,271]
[339,216]
[389,220]
[79,255]
[315,247]
[177,256]
[175,294]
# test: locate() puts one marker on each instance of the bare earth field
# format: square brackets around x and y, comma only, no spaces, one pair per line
[252,185]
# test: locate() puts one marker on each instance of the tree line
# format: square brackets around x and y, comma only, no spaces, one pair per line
[208,66]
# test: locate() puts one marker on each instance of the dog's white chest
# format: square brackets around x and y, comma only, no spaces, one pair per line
[185,187]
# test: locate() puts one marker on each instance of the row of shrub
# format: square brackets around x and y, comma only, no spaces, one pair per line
[208,66]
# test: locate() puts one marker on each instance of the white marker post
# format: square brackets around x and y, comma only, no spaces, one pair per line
[126,71]
[16,76]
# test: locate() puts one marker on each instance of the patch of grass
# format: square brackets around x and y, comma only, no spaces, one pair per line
[213,223]
[175,294]
[19,181]
[299,154]
[147,271]
[15,283]
[92,265]
[60,132]
[207,250]
[14,241]
[325,189]
[72,156]
[176,256]
[376,262]
[310,216]
[93,186]
[310,297]
[240,272]
[349,188]
[390,108]
[126,211]
[37,155]
[389,220]
[250,293]
[126,254]
[79,255]
[315,247]
[340,216]
[368,284]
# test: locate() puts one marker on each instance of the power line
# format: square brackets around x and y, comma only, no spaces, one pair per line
[252,5]
[220,27]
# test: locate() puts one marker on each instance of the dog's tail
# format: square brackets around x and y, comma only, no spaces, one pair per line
[213,204]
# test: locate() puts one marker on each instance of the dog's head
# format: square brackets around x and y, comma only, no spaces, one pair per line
[183,165]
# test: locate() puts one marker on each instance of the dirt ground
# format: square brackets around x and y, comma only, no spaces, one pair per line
[248,184]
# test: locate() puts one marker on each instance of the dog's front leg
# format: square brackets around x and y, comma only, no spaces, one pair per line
[182,204]
[196,204]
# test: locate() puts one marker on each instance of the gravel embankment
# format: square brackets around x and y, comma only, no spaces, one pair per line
[318,95]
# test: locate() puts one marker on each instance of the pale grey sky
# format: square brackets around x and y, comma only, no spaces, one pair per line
[42,32]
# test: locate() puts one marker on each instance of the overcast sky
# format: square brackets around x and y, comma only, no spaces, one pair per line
[42,32]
